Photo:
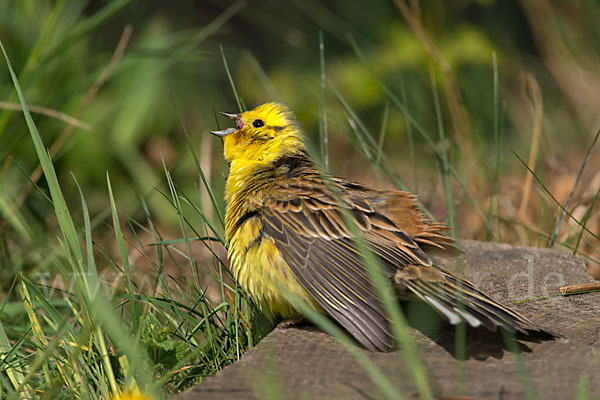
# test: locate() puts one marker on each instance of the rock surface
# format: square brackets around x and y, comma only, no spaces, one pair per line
[301,362]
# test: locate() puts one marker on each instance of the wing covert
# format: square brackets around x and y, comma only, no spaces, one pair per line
[305,222]
[331,270]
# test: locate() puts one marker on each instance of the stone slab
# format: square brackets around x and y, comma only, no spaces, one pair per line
[301,362]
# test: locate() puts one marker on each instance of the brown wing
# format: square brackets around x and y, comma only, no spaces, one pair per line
[402,209]
[305,221]
[454,298]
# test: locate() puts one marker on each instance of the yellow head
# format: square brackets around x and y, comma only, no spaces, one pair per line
[264,134]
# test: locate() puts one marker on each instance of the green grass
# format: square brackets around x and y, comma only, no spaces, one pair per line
[123,339]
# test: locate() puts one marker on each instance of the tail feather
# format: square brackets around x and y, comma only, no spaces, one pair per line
[450,307]
[458,300]
[482,303]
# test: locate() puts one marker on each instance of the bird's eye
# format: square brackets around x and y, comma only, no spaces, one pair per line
[258,123]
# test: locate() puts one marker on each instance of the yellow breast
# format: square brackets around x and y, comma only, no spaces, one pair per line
[261,270]
[255,260]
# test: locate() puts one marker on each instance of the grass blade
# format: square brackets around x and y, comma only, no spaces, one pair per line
[555,200]
[566,207]
[60,206]
[323,110]
[124,257]
[231,82]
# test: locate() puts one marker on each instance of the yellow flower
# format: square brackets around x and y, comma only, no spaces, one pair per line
[133,395]
[286,228]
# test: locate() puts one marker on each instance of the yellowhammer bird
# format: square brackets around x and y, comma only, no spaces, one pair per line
[285,228]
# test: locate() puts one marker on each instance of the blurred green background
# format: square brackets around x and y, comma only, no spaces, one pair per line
[171,60]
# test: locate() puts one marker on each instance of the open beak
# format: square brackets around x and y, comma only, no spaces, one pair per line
[228,131]
[231,115]
[224,132]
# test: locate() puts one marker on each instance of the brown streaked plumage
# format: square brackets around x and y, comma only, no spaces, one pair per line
[286,227]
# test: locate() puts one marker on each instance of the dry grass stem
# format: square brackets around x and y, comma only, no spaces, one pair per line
[5,105]
[460,120]
[578,81]
[582,288]
[538,110]
[85,101]
[206,165]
